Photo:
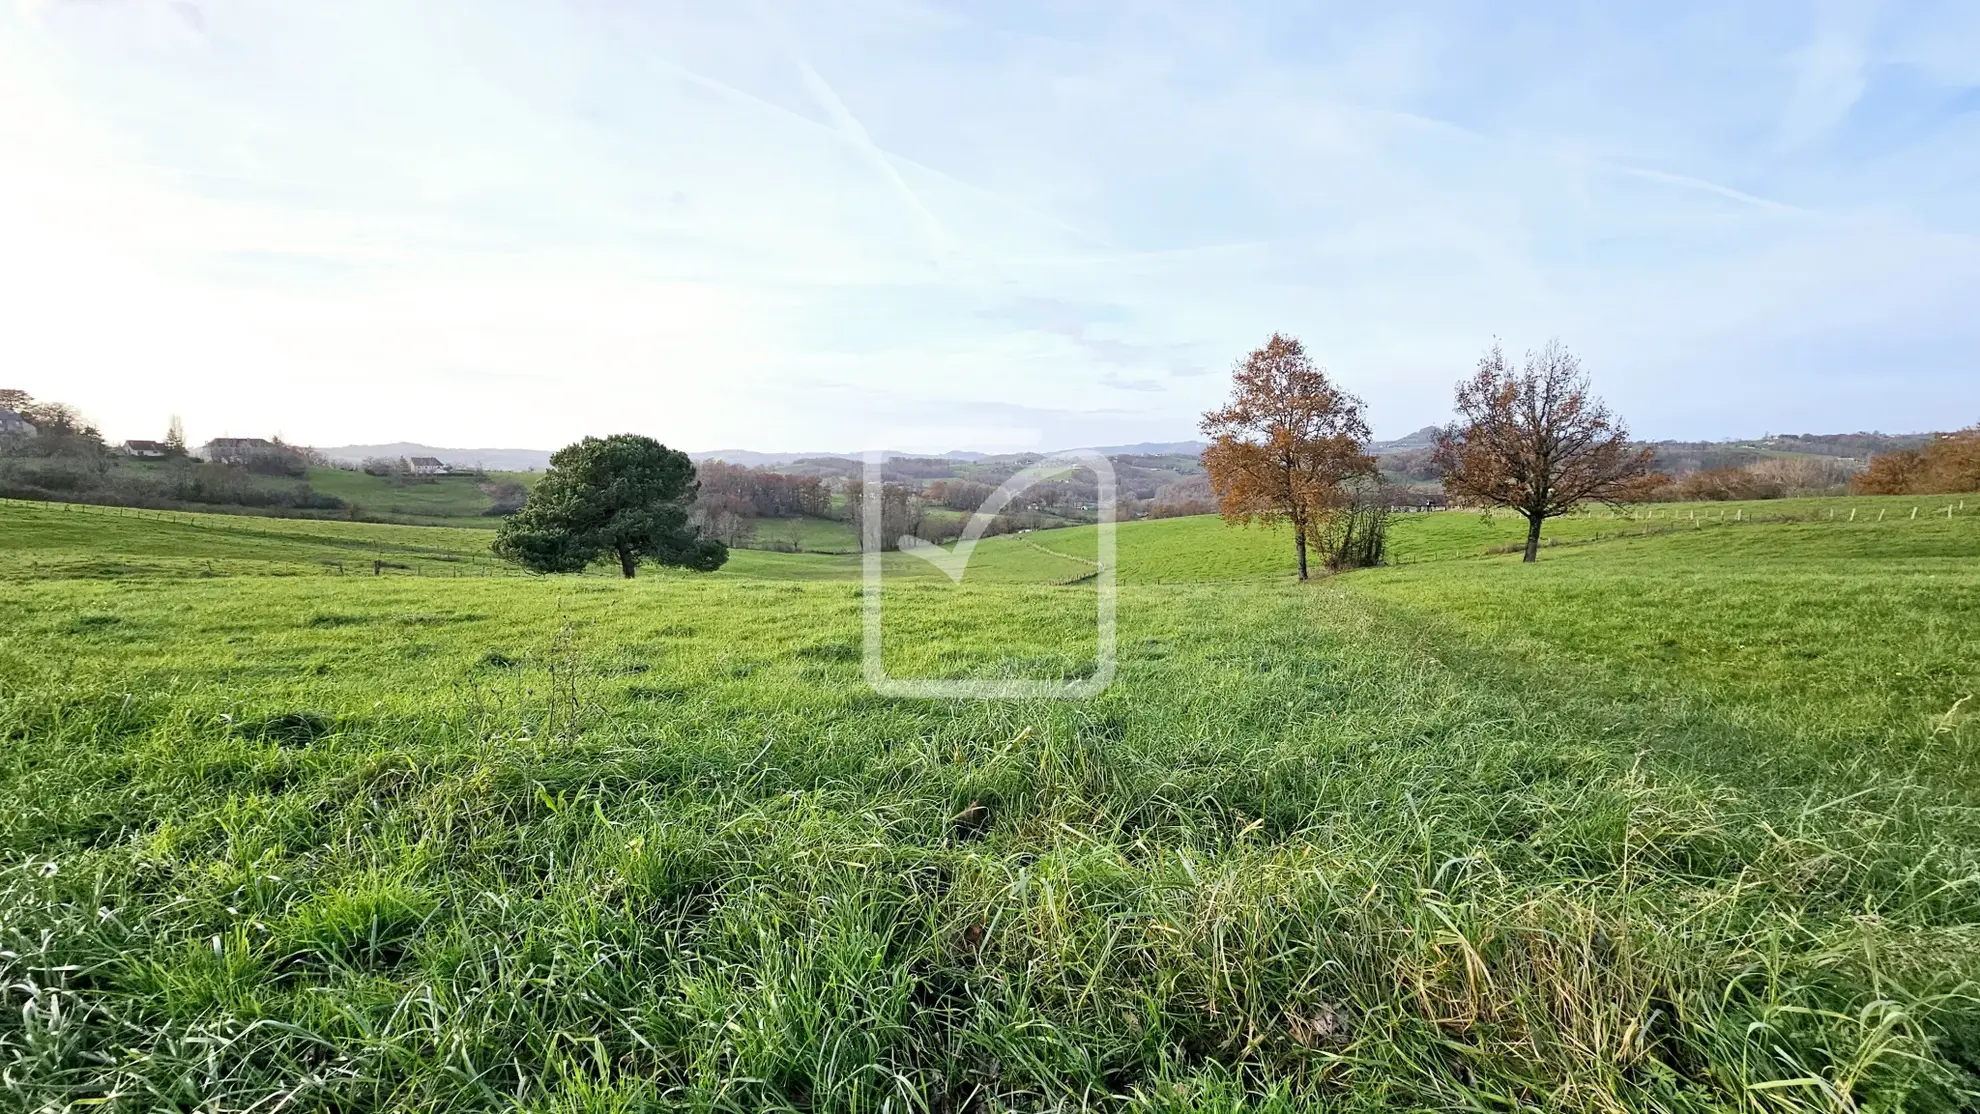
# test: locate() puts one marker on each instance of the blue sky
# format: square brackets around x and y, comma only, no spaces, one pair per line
[858,222]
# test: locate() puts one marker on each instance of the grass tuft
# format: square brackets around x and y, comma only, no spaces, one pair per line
[1680,820]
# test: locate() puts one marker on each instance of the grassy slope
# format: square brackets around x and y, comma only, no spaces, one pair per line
[1203,548]
[457,499]
[1656,821]
[426,498]
[1854,639]
[812,535]
[64,540]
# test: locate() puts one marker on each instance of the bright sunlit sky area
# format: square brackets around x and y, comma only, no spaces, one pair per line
[846,223]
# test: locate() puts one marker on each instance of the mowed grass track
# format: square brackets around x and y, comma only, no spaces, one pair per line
[1678,821]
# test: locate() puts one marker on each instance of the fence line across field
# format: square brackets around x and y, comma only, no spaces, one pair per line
[1689,518]
[416,561]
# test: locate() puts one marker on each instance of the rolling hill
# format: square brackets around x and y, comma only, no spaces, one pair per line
[1680,815]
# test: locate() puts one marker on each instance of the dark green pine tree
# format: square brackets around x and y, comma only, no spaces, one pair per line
[624,495]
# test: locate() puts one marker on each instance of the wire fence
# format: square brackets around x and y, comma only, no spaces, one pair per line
[1851,512]
[1843,510]
[349,556]
[1666,518]
[378,558]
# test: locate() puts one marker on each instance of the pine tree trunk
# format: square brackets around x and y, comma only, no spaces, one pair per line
[627,560]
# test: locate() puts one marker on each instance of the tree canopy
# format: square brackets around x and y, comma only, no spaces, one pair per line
[1949,462]
[1537,441]
[1287,443]
[625,495]
[61,429]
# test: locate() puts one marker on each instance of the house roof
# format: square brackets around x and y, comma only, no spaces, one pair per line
[428,461]
[144,444]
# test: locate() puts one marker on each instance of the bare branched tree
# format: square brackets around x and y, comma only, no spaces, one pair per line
[1537,442]
[1285,446]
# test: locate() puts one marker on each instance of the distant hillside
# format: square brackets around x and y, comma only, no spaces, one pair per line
[536,460]
[1157,448]
[1406,457]
[1422,439]
[495,460]
[1677,458]
[750,458]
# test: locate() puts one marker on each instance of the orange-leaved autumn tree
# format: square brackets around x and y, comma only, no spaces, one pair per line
[1537,442]
[1287,443]
[1949,462]
[1893,473]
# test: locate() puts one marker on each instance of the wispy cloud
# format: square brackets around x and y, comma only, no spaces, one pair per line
[1123,383]
[786,225]
[1828,75]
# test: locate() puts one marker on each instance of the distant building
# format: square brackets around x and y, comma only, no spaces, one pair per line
[237,450]
[13,425]
[425,466]
[150,450]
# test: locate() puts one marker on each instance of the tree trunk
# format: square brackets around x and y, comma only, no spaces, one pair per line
[1299,544]
[1533,538]
[627,560]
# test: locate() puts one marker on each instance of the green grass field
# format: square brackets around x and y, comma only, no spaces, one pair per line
[809,535]
[421,498]
[1683,817]
[449,500]
[463,500]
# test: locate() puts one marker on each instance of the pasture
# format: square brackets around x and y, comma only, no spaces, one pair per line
[460,499]
[333,816]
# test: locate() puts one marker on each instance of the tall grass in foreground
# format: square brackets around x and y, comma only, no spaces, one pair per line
[565,846]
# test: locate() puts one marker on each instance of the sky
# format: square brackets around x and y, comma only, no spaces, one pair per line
[846,224]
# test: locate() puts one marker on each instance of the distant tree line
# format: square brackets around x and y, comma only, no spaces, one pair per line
[762,493]
[902,512]
[939,515]
[1949,462]
[961,485]
[736,503]
[60,429]
[276,458]
[1943,463]
[1191,496]
[1769,478]
[66,460]
[733,498]
[1074,495]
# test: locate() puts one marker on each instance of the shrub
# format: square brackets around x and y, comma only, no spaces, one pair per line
[1807,475]
[1949,462]
[1769,478]
[1357,536]
[504,498]
[1728,483]
[1892,473]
